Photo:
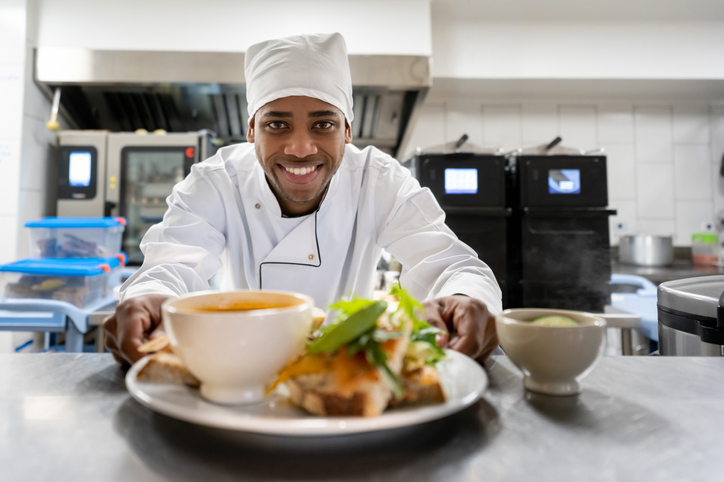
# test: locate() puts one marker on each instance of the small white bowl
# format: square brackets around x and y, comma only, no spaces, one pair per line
[237,354]
[552,358]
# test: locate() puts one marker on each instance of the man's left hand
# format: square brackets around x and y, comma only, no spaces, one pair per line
[470,325]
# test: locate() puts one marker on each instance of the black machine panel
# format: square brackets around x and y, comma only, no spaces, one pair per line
[464,179]
[590,297]
[77,172]
[539,222]
[565,246]
[484,232]
[471,190]
[563,181]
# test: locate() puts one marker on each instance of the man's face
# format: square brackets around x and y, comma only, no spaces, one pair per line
[299,142]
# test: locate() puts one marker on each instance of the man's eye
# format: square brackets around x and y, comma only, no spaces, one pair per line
[276,125]
[324,125]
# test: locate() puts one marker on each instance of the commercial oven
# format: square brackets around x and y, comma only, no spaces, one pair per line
[102,173]
[561,225]
[471,189]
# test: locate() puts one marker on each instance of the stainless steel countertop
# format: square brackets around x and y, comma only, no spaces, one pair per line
[679,269]
[68,417]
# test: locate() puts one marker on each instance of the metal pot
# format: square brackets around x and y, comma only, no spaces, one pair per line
[646,250]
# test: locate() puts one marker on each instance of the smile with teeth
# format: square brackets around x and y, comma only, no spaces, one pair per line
[300,171]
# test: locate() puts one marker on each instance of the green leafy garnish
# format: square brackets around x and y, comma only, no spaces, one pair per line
[349,328]
[428,336]
[422,331]
[408,305]
[356,327]
[375,356]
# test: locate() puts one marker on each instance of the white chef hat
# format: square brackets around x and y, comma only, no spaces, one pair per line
[314,65]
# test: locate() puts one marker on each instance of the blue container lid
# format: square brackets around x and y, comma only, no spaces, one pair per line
[65,266]
[55,222]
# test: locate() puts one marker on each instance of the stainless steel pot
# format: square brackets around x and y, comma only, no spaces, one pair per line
[646,250]
[691,316]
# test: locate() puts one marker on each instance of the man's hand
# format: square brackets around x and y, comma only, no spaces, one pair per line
[135,321]
[470,325]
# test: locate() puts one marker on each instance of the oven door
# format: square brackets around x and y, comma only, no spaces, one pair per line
[143,170]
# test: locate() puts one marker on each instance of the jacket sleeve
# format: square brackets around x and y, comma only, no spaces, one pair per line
[183,252]
[435,263]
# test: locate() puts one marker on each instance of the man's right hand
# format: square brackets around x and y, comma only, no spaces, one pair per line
[135,321]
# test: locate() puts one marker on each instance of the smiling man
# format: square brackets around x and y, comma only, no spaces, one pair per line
[299,143]
[299,208]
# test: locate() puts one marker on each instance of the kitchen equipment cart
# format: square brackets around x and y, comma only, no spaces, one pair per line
[52,316]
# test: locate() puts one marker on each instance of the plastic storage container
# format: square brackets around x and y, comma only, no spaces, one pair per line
[705,248]
[80,282]
[75,237]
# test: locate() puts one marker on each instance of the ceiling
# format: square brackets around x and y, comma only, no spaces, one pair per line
[589,10]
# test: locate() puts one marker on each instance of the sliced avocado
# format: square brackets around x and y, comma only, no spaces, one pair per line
[554,320]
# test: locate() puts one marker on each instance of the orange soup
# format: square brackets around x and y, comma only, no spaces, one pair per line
[247,305]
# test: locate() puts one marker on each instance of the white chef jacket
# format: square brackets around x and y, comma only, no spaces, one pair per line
[224,218]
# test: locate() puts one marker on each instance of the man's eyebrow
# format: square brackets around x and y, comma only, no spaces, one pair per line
[276,113]
[323,113]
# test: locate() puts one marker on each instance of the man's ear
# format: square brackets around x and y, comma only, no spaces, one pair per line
[250,130]
[347,132]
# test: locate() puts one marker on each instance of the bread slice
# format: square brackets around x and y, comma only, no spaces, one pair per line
[164,367]
[422,386]
[330,384]
[318,317]
[159,343]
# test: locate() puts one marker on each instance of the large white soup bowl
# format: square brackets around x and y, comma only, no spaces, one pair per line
[552,358]
[234,351]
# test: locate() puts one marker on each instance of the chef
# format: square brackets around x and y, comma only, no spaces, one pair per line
[299,208]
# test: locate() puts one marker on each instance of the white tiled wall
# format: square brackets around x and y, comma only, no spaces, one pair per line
[663,160]
[12,63]
[35,158]
[24,143]
[12,73]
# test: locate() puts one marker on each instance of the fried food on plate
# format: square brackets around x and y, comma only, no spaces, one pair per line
[165,367]
[318,317]
[370,358]
[159,343]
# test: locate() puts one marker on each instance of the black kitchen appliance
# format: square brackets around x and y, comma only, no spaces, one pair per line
[691,316]
[538,218]
[470,188]
[560,229]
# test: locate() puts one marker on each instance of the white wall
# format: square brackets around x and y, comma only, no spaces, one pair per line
[369,27]
[567,49]
[12,77]
[663,159]
[36,190]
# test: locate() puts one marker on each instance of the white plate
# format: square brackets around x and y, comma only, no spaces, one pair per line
[462,378]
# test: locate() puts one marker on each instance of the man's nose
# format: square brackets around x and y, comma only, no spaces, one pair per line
[300,144]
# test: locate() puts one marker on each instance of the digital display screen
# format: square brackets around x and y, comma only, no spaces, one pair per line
[564,181]
[79,169]
[461,181]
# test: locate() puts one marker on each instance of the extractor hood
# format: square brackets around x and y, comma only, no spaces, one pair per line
[187,91]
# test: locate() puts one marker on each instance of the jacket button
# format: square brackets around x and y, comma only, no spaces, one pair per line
[311,256]
[257,205]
